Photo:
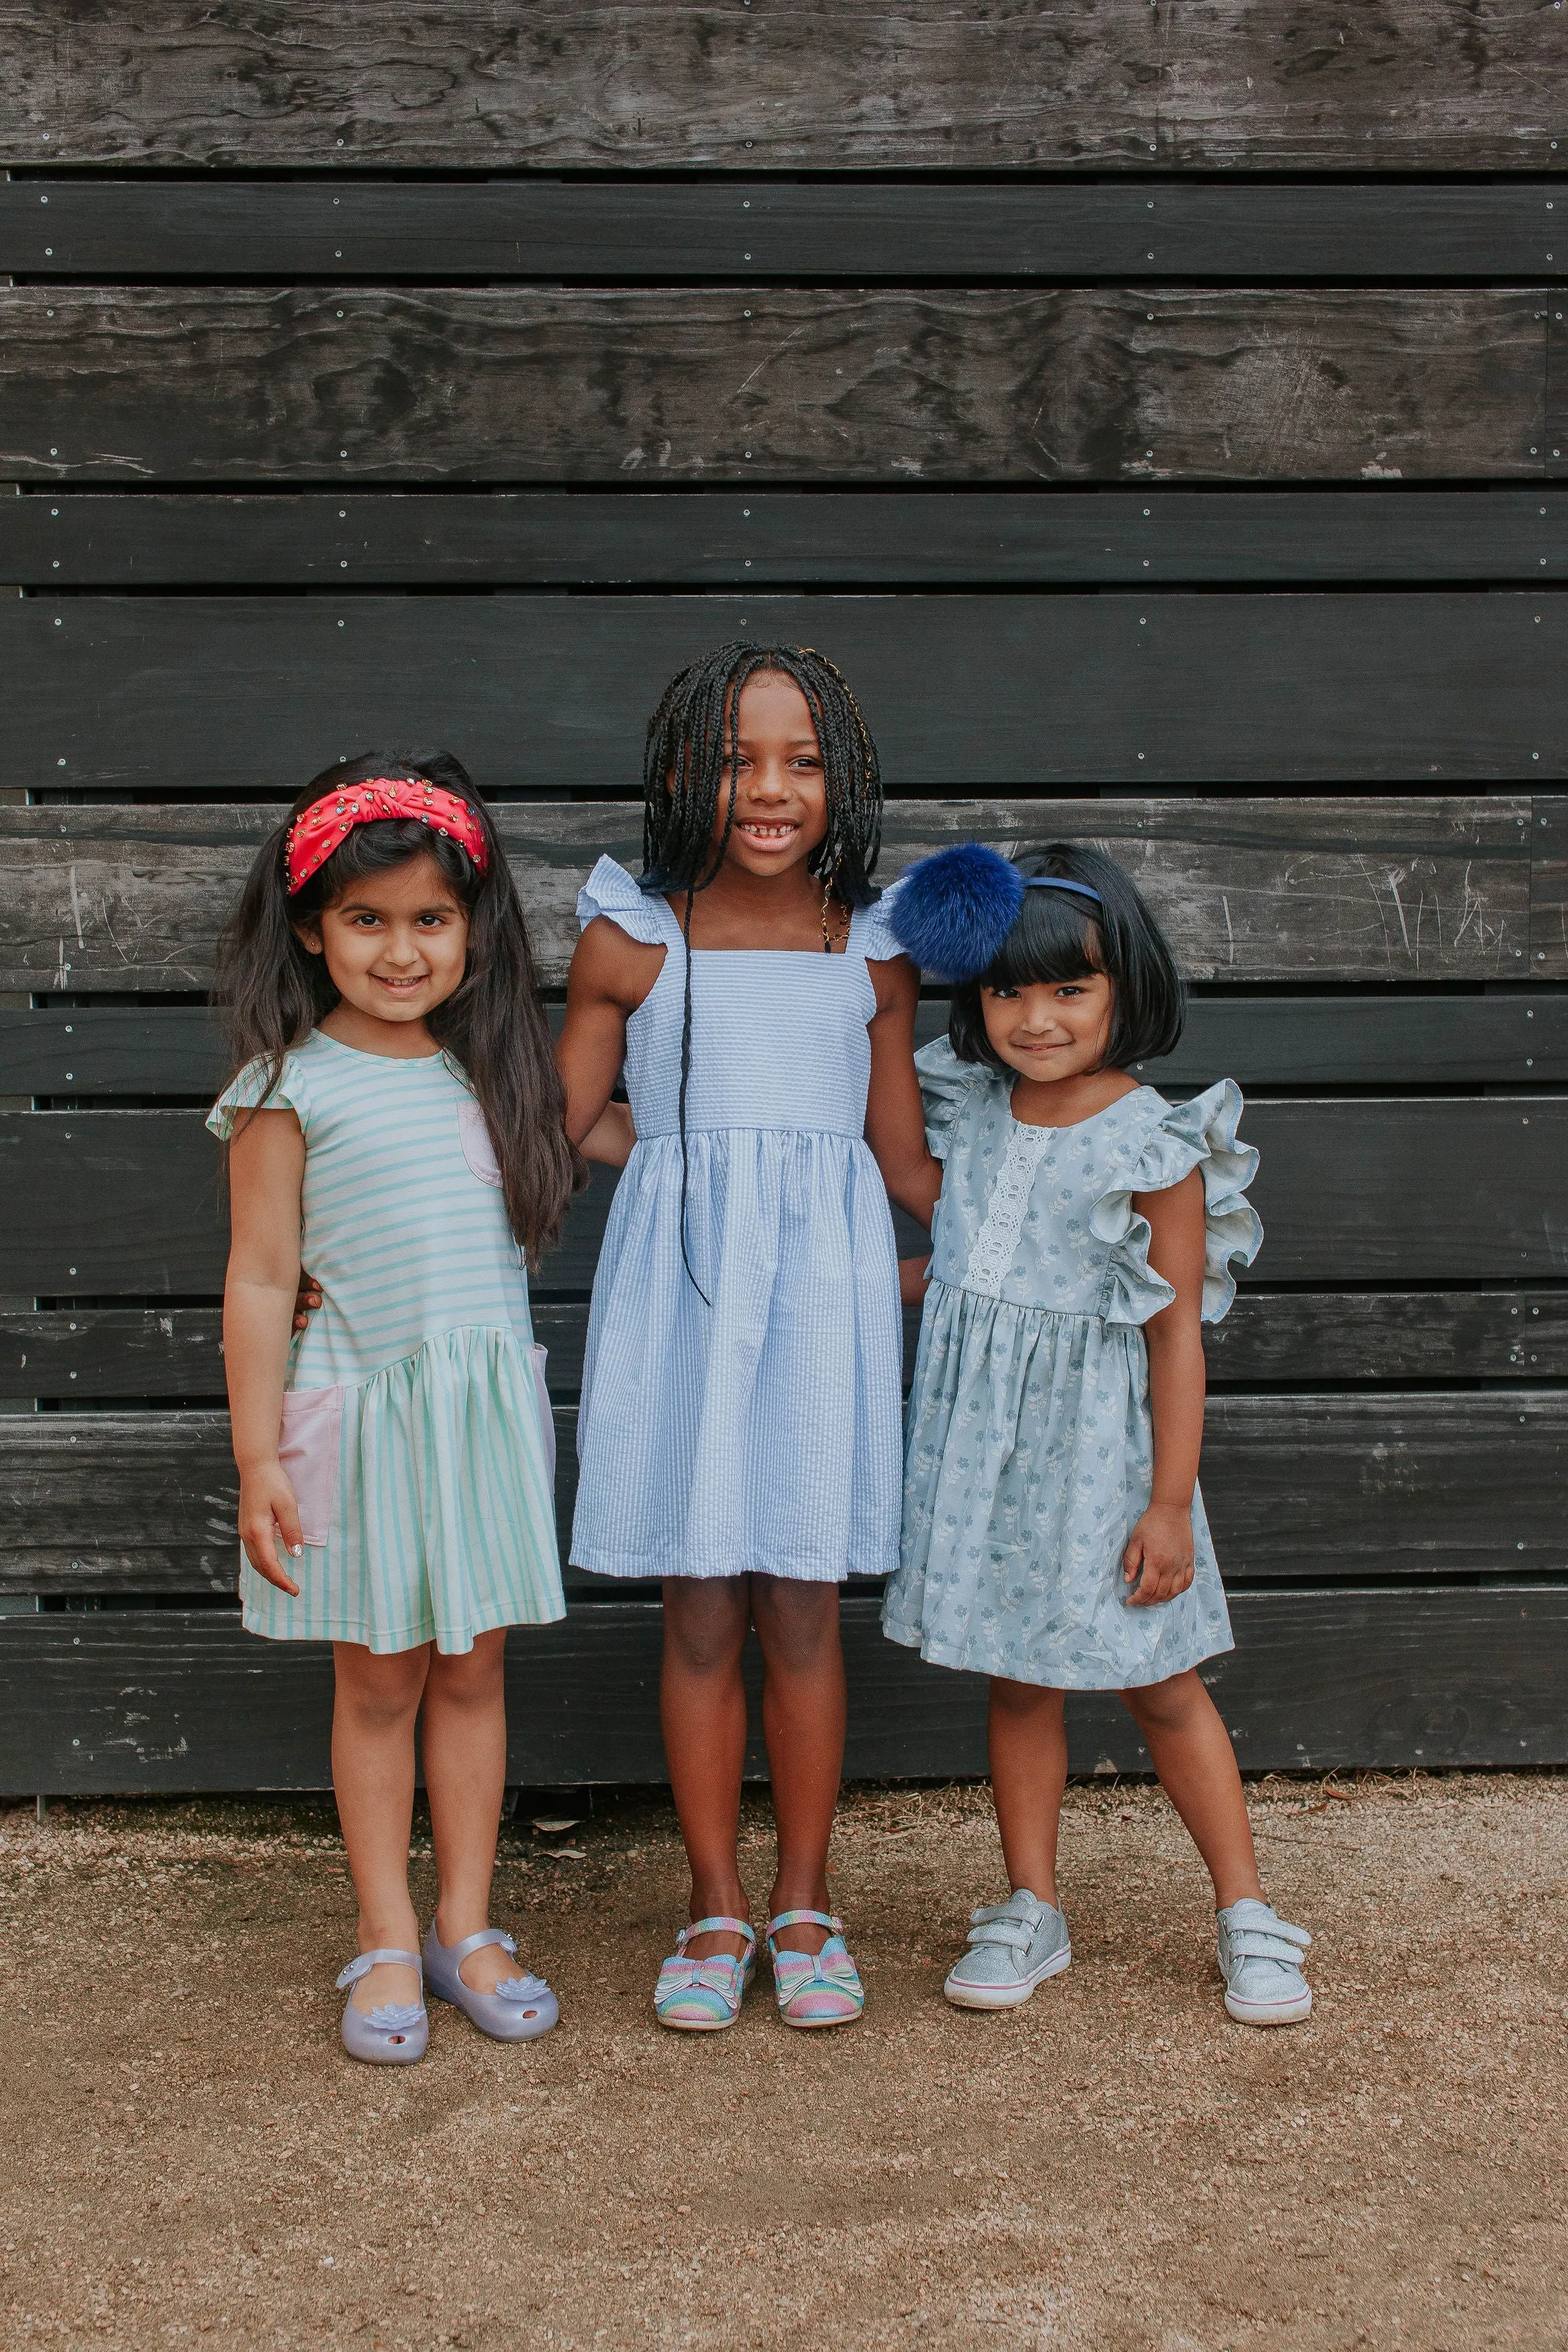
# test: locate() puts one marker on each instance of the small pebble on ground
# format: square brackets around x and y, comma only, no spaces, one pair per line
[188,2157]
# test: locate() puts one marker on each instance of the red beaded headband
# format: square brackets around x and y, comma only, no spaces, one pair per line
[317,831]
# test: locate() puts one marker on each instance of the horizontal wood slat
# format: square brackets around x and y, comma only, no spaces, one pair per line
[132,898]
[1297,1487]
[150,1700]
[1400,85]
[737,539]
[975,693]
[1322,1338]
[496,230]
[1516,1038]
[763,382]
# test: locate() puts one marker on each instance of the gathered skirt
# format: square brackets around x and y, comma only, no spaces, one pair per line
[755,1429]
[1029,1459]
[426,1497]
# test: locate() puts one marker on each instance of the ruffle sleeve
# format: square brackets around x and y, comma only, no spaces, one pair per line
[611,890]
[248,1091]
[947,1087]
[1185,1136]
[877,939]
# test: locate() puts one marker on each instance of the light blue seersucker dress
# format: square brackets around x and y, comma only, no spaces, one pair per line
[1029,1449]
[416,1427]
[759,1433]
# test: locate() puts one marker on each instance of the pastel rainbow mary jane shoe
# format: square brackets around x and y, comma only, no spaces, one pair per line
[815,1987]
[393,2033]
[705,1996]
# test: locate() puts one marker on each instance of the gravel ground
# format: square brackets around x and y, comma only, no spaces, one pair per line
[187,2153]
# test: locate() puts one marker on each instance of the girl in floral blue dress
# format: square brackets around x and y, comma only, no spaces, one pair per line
[1054,1536]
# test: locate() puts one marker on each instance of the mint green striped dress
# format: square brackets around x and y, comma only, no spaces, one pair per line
[415,1425]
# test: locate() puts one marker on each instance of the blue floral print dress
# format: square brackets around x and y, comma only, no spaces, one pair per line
[1029,1446]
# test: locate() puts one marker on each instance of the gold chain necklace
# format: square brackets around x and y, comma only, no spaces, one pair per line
[843,919]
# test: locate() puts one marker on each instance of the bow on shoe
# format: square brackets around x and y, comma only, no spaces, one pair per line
[389,2016]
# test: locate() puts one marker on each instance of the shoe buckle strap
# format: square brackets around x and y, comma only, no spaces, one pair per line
[718,1924]
[1002,1931]
[363,1964]
[457,1953]
[1261,1944]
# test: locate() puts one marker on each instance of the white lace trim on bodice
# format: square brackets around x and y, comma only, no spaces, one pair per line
[995,1244]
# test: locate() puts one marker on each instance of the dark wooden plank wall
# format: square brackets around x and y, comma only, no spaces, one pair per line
[1158,409]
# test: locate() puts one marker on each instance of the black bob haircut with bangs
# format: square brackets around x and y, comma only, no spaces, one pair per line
[1060,936]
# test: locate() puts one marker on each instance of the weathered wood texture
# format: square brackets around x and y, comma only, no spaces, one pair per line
[1208,84]
[551,693]
[622,231]
[767,382]
[1251,889]
[72,538]
[1297,1487]
[1305,1339]
[1548,888]
[1383,1039]
[175,1699]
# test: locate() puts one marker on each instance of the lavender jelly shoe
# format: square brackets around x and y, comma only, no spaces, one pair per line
[521,2008]
[395,2032]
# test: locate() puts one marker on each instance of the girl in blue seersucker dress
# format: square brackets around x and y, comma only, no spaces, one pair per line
[739,1435]
[1054,1536]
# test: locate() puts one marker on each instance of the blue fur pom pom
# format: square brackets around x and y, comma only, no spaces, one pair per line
[951,912]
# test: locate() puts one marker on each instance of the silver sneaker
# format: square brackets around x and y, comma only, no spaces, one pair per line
[1259,1957]
[1012,1947]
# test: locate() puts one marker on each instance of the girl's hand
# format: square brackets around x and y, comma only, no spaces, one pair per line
[267,1510]
[1159,1556]
[309,1299]
[611,1137]
[913,1280]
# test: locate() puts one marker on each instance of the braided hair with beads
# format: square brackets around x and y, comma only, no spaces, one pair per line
[693,754]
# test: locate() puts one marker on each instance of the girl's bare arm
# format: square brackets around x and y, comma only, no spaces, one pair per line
[266,1171]
[895,1120]
[1158,1555]
[610,976]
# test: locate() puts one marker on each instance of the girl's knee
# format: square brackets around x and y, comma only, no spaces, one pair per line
[470,1677]
[797,1623]
[1025,1698]
[705,1622]
[379,1690]
[1168,1705]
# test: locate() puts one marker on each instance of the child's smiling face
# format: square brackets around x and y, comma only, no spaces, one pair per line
[396,943]
[781,791]
[1053,1029]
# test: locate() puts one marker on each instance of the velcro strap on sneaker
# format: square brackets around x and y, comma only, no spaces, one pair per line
[1002,1931]
[1261,1944]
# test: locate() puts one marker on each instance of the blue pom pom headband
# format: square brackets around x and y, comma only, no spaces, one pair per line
[951,912]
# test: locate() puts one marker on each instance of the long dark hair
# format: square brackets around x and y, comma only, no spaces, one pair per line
[693,746]
[1059,936]
[271,991]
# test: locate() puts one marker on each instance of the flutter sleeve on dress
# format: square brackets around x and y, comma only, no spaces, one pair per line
[948,1088]
[877,938]
[249,1091]
[1184,1136]
[611,890]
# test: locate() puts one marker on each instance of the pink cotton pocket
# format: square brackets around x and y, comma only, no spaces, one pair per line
[537,1356]
[309,1447]
[478,1149]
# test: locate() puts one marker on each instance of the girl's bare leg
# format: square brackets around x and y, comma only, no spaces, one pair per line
[702,1710]
[1190,1749]
[464,1739]
[804,1711]
[376,1701]
[1028,1774]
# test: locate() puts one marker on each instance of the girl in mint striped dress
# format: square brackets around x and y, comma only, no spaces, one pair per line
[396,1122]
